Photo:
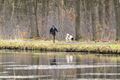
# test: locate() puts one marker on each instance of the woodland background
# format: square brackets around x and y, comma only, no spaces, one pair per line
[84,19]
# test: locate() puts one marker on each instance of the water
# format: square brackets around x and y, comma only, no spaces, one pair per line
[58,66]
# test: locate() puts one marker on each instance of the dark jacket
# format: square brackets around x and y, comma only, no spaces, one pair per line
[53,30]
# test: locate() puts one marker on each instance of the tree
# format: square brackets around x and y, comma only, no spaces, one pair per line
[34,32]
[36,20]
[117,14]
[77,24]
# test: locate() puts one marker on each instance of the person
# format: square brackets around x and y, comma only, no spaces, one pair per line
[53,31]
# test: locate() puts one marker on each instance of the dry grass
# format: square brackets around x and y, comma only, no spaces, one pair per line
[61,46]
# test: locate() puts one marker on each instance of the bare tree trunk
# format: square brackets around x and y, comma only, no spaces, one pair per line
[34,32]
[77,24]
[117,14]
[93,21]
[36,20]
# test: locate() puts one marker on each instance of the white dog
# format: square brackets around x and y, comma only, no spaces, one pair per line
[68,37]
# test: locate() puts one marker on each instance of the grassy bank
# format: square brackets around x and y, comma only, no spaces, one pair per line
[102,47]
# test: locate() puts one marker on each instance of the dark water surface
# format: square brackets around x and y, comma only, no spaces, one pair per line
[58,66]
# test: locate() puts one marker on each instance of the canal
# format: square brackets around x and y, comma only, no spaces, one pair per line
[26,65]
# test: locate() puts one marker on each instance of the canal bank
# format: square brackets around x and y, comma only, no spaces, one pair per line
[61,46]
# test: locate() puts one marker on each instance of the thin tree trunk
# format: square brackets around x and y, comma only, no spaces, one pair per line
[77,24]
[93,22]
[36,20]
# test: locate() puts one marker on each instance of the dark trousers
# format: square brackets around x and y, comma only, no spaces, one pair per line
[53,38]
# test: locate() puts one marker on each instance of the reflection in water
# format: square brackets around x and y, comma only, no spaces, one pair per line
[59,66]
[69,58]
[53,61]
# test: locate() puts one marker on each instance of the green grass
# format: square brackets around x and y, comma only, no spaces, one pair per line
[61,46]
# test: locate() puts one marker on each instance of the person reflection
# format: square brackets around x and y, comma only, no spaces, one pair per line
[53,61]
